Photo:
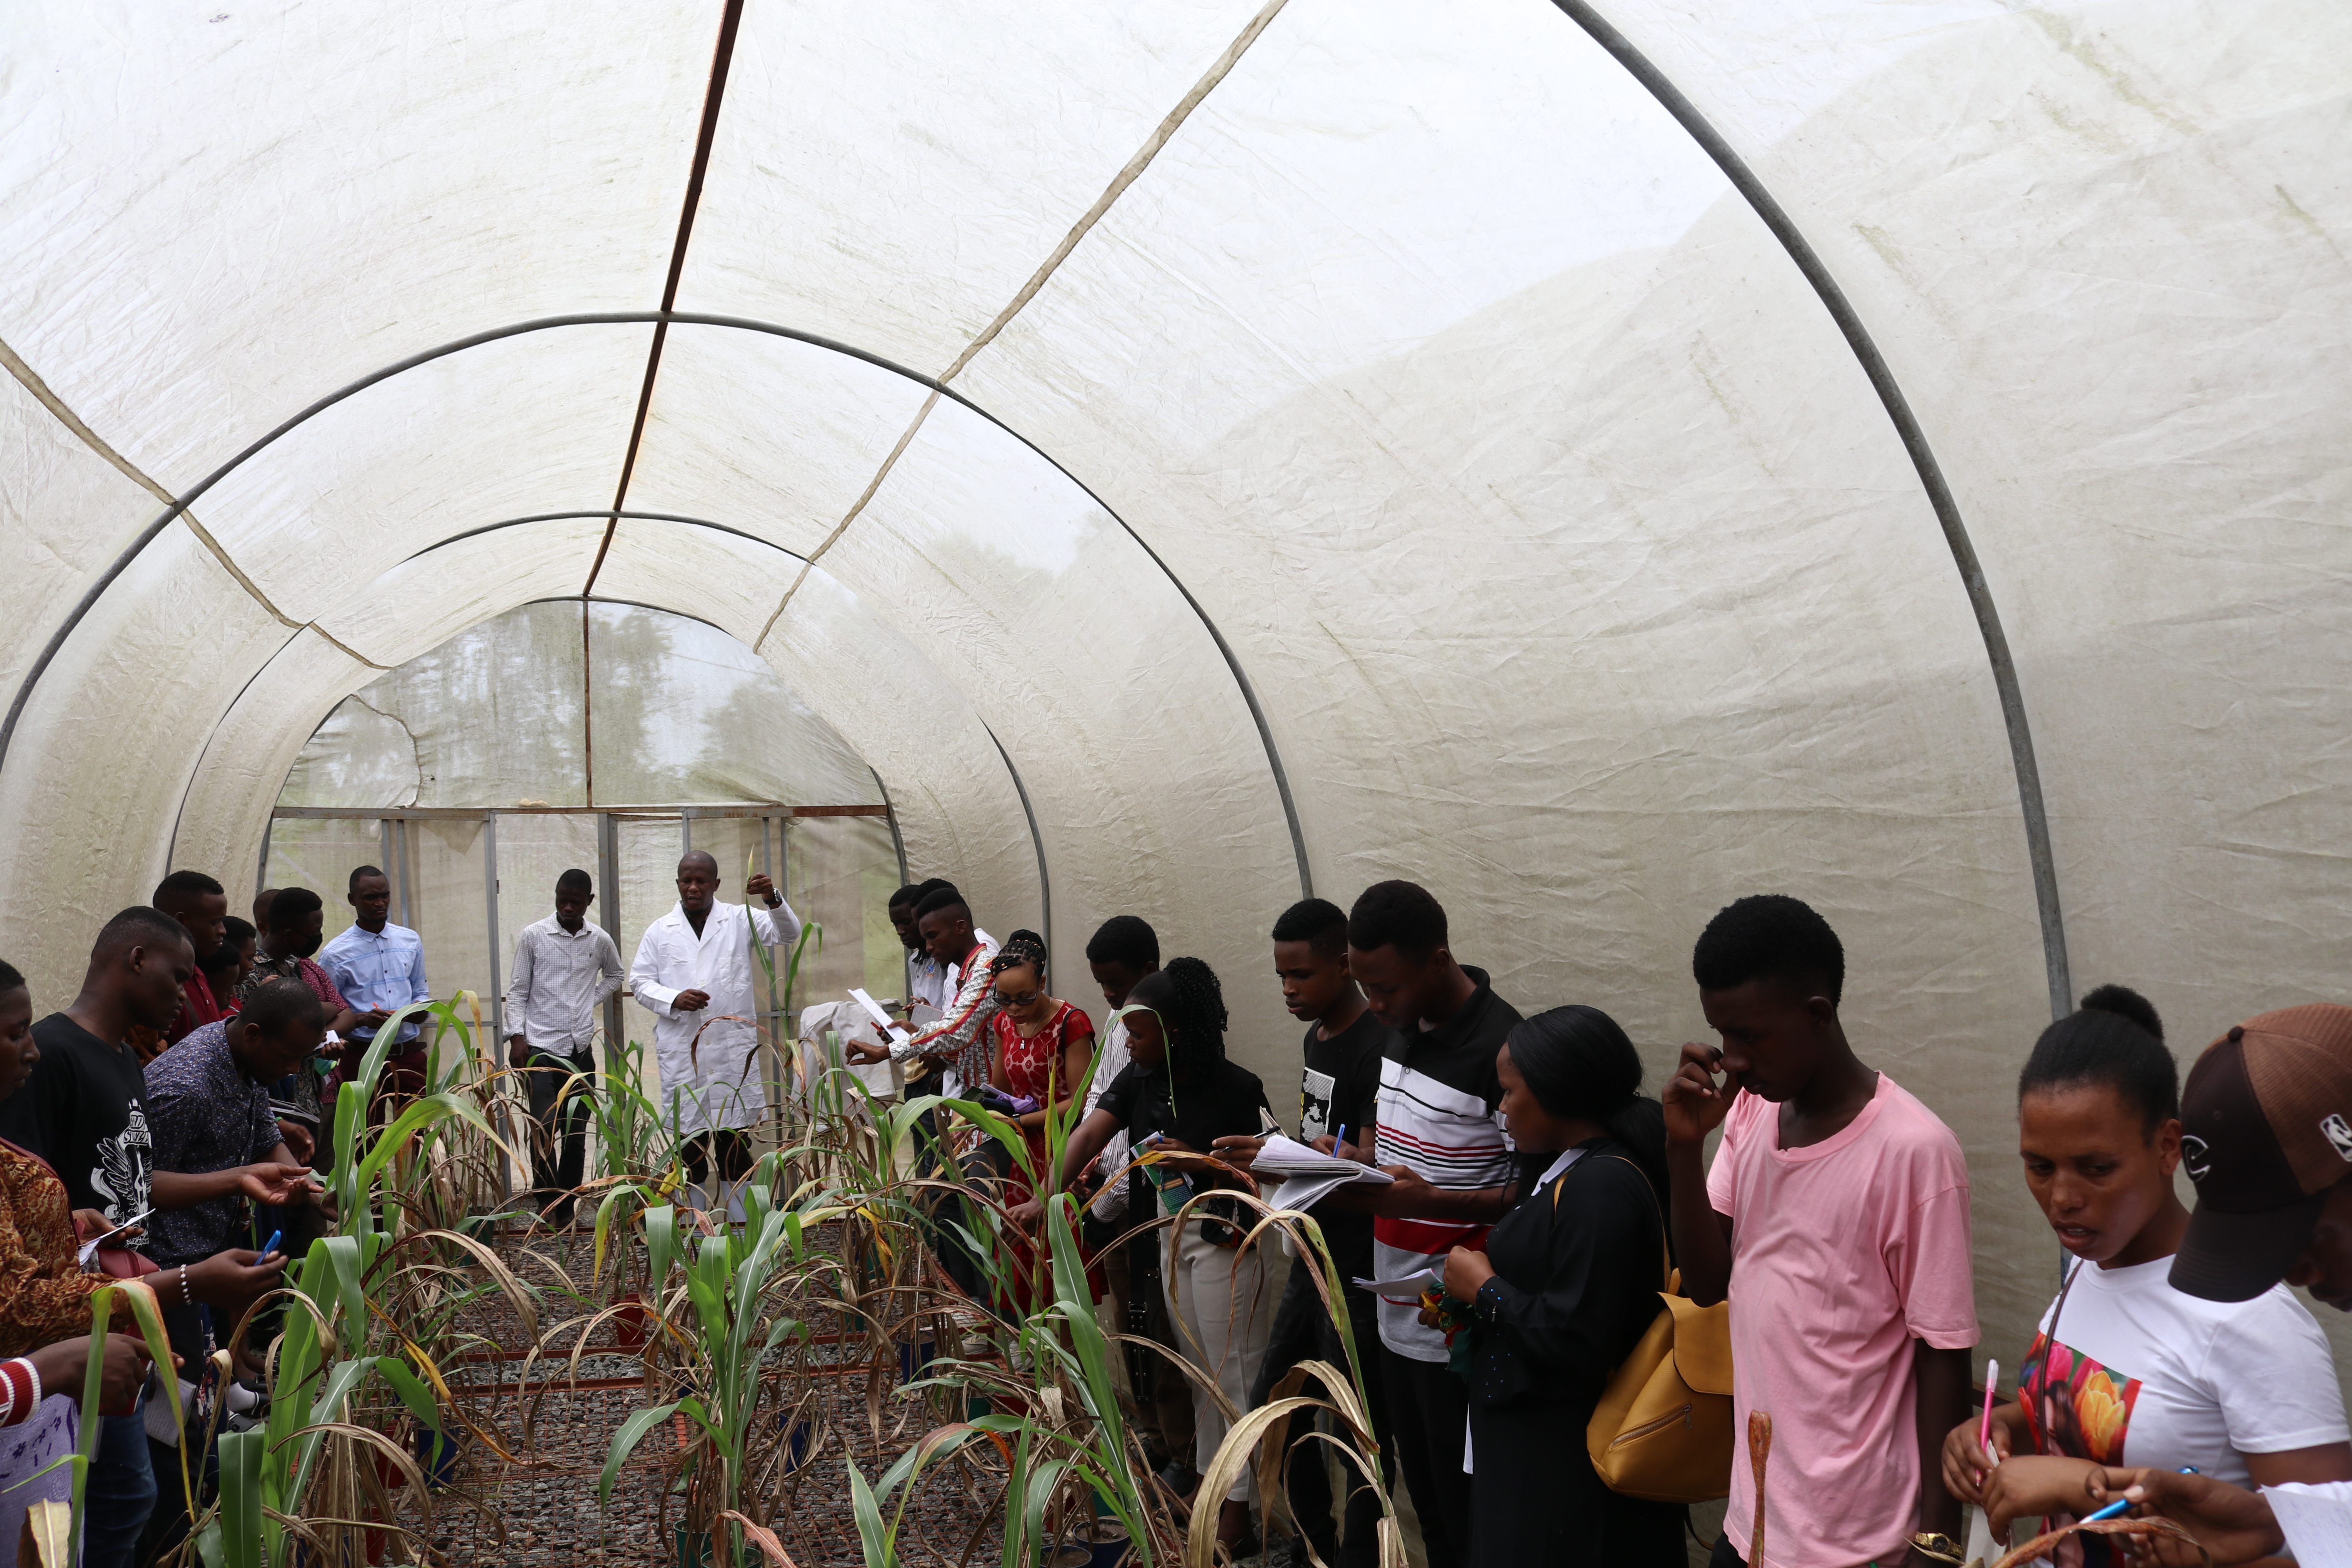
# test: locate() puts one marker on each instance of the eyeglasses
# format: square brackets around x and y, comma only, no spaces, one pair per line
[1023,1000]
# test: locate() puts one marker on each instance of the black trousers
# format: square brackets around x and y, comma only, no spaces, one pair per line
[1303,1332]
[561,1089]
[727,1149]
[1727,1555]
[1429,1411]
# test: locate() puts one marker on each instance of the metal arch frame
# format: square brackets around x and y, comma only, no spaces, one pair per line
[665,319]
[1873,364]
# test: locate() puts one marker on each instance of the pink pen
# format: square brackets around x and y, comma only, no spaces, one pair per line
[1984,1429]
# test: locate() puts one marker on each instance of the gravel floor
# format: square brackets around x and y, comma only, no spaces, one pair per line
[544,1510]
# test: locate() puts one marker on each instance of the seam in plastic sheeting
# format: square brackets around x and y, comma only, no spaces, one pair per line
[865,496]
[1923,460]
[610,318]
[721,58]
[31,381]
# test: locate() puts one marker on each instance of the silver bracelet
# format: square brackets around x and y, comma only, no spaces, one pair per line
[188,1297]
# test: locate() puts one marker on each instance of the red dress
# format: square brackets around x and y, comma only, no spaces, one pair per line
[1033,1069]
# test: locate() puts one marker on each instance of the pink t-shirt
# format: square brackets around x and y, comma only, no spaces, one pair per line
[1842,1253]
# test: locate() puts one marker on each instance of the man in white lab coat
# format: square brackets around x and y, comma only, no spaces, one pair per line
[694,973]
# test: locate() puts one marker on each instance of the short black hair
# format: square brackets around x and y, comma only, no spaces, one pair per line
[575,878]
[279,1004]
[183,889]
[1124,939]
[912,893]
[930,885]
[359,871]
[11,978]
[1768,936]
[234,934]
[2115,1039]
[292,905]
[1321,924]
[1397,914]
[141,925]
[941,897]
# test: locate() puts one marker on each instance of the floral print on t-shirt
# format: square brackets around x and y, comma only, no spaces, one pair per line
[2076,1407]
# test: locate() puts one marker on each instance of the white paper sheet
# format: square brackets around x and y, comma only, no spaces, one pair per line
[1403,1285]
[2318,1521]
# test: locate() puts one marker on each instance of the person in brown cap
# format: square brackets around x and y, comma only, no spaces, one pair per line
[2266,1134]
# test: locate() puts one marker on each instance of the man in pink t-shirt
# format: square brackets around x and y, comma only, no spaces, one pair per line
[1836,1219]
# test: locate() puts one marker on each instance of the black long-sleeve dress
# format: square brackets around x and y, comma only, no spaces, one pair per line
[1575,1287]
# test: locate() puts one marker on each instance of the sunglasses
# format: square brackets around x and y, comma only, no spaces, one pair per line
[1022,1000]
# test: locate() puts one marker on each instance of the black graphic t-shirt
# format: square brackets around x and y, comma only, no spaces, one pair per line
[84,1111]
[1339,1091]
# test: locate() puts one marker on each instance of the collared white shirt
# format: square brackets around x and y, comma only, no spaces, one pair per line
[559,977]
[709,1073]
[378,969]
[927,981]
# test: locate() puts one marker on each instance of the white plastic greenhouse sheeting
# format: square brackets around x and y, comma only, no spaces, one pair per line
[1574,561]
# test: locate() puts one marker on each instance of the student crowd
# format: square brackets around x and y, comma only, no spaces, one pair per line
[171,1113]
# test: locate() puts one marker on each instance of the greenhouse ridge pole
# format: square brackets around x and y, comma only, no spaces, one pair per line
[1923,459]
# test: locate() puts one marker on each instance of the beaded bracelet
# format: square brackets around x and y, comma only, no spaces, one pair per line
[187,1297]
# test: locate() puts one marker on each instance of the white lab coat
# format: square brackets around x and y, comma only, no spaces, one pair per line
[713,1082]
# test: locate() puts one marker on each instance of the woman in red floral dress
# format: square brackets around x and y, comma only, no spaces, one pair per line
[1043,1047]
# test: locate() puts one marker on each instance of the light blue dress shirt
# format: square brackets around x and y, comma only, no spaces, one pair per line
[378,969]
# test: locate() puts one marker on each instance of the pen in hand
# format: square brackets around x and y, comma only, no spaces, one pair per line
[2123,1505]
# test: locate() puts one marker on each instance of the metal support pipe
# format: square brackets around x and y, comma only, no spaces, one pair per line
[490,902]
[402,847]
[685,831]
[608,904]
[261,870]
[495,1048]
[781,1030]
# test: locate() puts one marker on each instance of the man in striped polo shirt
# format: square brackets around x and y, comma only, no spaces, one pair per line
[1440,1136]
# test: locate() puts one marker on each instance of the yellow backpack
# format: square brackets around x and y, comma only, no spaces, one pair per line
[1662,1428]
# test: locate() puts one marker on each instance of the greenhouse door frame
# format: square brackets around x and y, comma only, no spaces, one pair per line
[394,825]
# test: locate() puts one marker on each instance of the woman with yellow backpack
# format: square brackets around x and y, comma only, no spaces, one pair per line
[1566,1287]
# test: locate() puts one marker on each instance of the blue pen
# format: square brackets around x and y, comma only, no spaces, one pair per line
[2121,1504]
[1341,1139]
[271,1245]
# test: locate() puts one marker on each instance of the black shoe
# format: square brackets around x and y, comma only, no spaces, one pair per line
[1180,1478]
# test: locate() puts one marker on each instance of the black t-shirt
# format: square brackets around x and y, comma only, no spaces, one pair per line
[1339,1089]
[1223,1102]
[84,1111]
[1227,1100]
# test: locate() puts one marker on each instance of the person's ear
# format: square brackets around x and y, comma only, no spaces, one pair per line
[2166,1141]
[1823,1012]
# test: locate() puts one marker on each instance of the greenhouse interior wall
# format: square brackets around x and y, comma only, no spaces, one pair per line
[1595,459]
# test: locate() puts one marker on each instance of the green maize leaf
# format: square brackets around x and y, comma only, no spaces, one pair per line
[879,1543]
[244,1526]
[625,1443]
[411,1391]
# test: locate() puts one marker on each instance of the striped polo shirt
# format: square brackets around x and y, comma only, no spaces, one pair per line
[1439,1094]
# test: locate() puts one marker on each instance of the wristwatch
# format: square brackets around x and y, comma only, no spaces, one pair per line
[1938,1546]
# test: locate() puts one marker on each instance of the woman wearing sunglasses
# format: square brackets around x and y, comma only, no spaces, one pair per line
[1042,1047]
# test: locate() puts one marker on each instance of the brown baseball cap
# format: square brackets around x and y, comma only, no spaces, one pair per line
[2266,1131]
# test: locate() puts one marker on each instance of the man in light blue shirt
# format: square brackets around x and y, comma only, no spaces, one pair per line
[379,967]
